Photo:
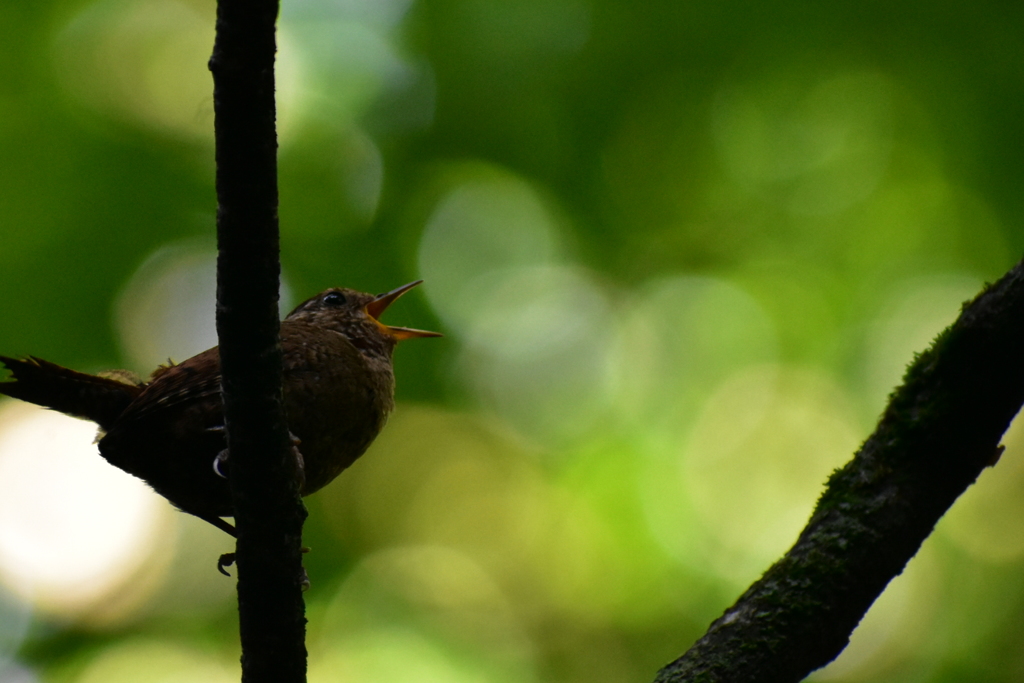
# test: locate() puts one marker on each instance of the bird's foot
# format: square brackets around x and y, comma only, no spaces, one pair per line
[220,463]
[228,559]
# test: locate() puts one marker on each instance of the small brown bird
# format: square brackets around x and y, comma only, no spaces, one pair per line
[169,430]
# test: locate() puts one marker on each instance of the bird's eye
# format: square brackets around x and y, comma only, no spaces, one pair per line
[334,299]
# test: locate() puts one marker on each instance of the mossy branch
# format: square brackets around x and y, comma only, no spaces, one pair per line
[942,427]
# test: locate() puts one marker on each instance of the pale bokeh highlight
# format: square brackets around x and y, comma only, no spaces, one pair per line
[167,310]
[78,537]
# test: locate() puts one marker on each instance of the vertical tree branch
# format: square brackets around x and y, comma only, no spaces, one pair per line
[940,429]
[263,472]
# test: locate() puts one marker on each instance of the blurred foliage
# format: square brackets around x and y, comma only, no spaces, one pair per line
[681,251]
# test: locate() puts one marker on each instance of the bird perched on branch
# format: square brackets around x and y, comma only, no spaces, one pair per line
[169,430]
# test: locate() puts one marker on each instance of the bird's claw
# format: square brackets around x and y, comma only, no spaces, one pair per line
[225,560]
[219,462]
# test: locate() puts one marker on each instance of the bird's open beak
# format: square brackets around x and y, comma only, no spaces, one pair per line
[375,308]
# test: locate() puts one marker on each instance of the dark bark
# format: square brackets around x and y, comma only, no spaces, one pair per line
[940,429]
[263,473]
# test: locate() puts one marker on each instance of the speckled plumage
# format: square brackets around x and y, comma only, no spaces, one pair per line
[338,392]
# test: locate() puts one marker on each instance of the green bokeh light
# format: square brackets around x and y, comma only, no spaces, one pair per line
[681,255]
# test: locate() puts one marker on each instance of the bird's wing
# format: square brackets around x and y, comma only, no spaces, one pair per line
[192,381]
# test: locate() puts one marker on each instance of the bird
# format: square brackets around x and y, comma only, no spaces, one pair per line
[168,430]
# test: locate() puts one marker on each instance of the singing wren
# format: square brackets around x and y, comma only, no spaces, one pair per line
[169,430]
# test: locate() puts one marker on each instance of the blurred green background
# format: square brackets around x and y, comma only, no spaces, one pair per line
[681,253]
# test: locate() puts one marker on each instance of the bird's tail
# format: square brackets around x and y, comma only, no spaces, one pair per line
[96,398]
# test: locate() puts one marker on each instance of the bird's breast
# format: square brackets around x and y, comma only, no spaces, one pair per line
[337,400]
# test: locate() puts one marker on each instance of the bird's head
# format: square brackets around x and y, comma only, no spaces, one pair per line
[356,315]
